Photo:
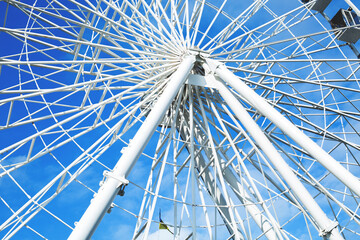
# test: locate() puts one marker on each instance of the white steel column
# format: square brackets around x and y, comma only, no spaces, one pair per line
[211,186]
[192,161]
[240,191]
[287,127]
[260,219]
[117,178]
[328,228]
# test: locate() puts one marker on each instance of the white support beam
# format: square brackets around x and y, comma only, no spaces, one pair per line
[327,228]
[268,227]
[192,162]
[260,219]
[261,105]
[108,191]
[209,182]
[217,167]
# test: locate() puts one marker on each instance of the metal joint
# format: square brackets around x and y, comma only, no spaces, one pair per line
[199,53]
[122,181]
[214,65]
[110,208]
[324,232]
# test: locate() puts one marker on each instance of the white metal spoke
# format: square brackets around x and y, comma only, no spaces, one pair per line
[242,118]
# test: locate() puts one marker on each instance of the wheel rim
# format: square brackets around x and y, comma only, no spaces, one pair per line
[80,78]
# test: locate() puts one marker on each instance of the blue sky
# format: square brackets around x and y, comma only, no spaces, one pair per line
[71,203]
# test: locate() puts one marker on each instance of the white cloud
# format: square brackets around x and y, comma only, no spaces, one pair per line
[164,234]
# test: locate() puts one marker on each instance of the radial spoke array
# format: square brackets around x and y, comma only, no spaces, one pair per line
[78,79]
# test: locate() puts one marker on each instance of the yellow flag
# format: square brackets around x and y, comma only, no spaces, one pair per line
[162,225]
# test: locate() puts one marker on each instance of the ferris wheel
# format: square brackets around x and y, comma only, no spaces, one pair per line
[182,119]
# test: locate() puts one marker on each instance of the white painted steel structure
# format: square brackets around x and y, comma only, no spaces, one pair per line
[234,119]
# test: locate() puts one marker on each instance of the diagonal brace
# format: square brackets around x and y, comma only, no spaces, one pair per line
[108,191]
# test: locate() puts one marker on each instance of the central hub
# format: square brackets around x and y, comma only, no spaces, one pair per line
[199,65]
